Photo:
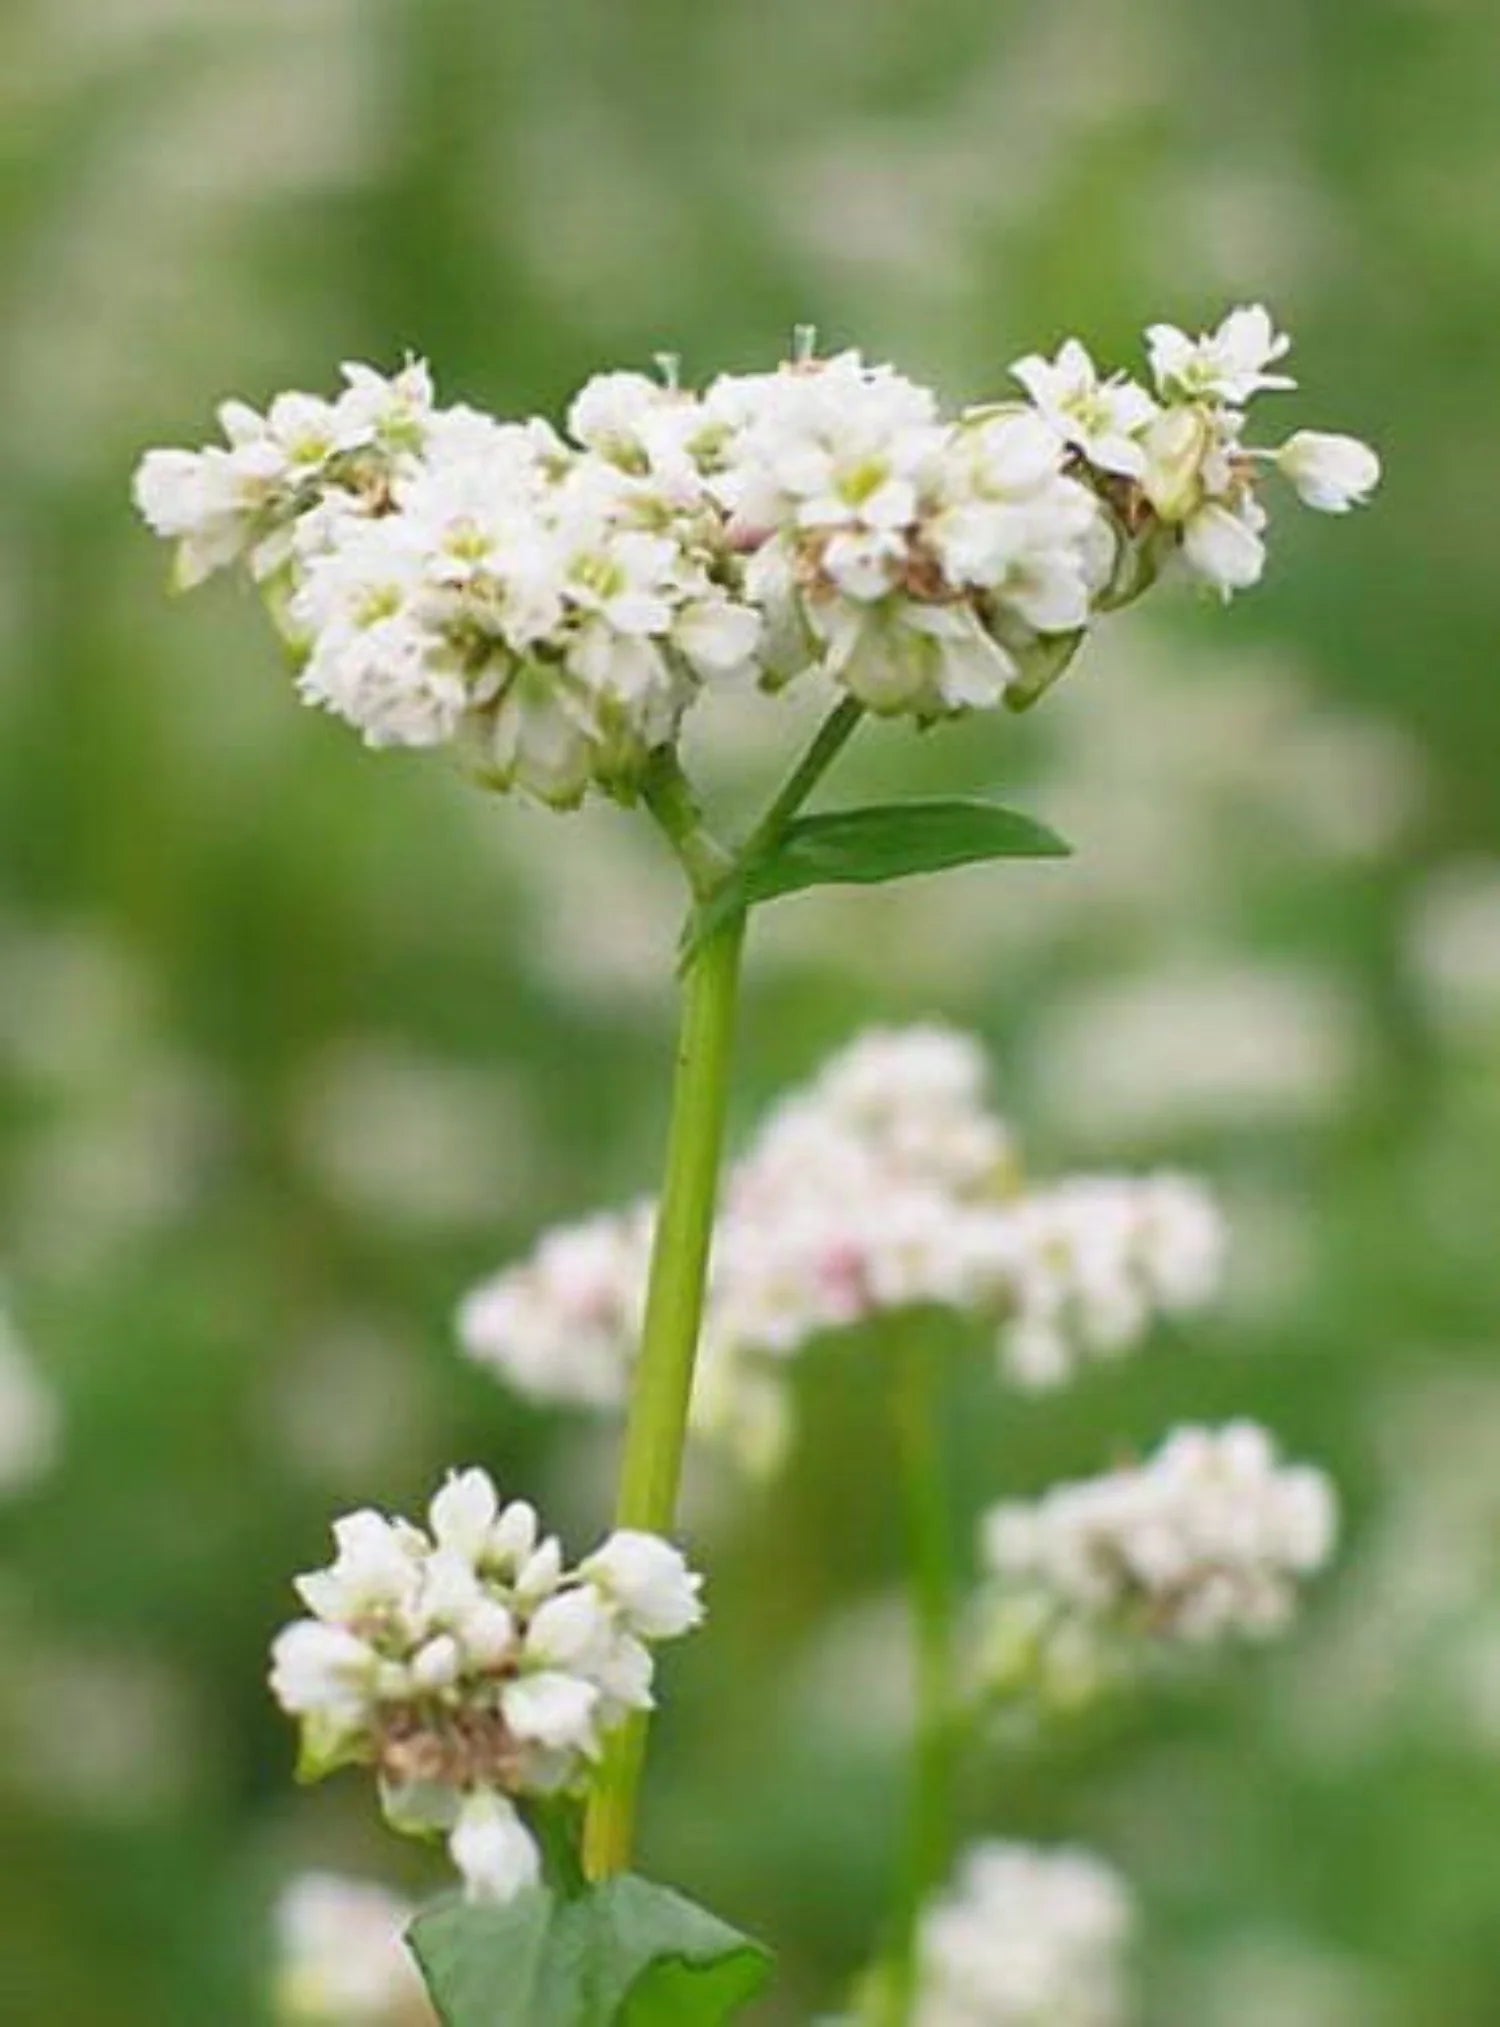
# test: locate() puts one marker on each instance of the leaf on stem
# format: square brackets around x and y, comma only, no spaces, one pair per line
[621,1954]
[865,847]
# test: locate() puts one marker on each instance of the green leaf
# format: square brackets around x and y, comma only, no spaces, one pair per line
[622,1954]
[864,847]
[485,1966]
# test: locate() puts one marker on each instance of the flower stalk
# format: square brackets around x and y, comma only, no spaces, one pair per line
[656,1430]
[661,1392]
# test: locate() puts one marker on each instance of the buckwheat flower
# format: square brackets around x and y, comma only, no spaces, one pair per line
[888,1183]
[1330,472]
[1222,544]
[1227,365]
[394,411]
[341,1960]
[832,443]
[1206,1542]
[470,1667]
[926,661]
[1103,418]
[1082,1269]
[657,434]
[917,1095]
[649,1582]
[1025,1937]
[496,1855]
[556,1326]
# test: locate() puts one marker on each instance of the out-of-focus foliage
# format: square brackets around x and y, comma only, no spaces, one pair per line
[295,1040]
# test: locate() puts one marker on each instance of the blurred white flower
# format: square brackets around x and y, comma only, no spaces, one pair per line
[1255,1979]
[1205,1542]
[1201,1045]
[1026,1937]
[413,1140]
[887,1183]
[341,1960]
[1453,947]
[30,1414]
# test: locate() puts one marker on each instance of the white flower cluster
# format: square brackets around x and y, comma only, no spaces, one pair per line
[468,1666]
[1026,1938]
[1205,1542]
[1173,460]
[341,1960]
[553,604]
[887,1184]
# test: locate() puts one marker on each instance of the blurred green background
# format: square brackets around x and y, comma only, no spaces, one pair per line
[296,1041]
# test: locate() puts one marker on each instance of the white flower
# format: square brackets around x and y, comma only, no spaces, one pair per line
[207,502]
[570,1629]
[1101,418]
[322,1671]
[555,1326]
[376,1570]
[926,660]
[1223,545]
[469,1660]
[888,1182]
[1227,365]
[463,1513]
[1205,1542]
[649,1581]
[393,410]
[341,1961]
[553,609]
[552,1708]
[1332,473]
[495,1853]
[718,637]
[1025,1938]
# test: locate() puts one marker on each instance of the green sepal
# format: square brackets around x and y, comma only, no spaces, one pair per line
[323,1748]
[1042,663]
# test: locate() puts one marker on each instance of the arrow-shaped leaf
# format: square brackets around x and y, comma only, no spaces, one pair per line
[885,841]
[623,1954]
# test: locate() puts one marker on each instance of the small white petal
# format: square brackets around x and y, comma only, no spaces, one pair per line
[493,1850]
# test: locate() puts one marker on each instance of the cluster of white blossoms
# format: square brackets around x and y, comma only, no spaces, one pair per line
[340,1956]
[551,604]
[469,1667]
[1025,1938]
[1204,1543]
[887,1184]
[1172,459]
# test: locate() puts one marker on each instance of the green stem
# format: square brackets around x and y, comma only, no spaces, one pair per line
[930,1567]
[661,1391]
[831,737]
[656,1430]
[668,795]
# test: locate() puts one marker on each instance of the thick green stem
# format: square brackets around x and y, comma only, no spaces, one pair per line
[930,1566]
[661,1392]
[657,1427]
